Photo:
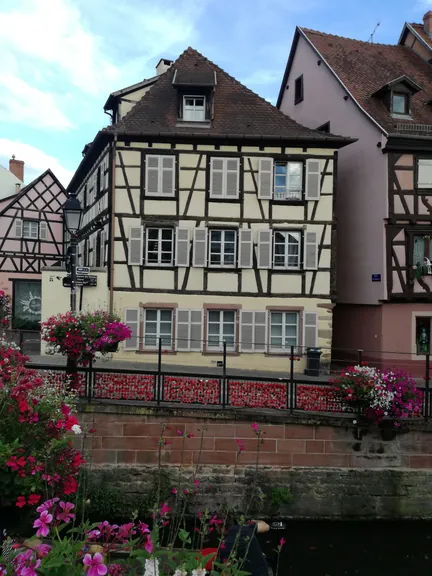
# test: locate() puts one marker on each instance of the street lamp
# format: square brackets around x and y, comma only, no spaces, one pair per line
[72,213]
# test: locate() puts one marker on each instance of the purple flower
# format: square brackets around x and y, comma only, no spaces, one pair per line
[66,515]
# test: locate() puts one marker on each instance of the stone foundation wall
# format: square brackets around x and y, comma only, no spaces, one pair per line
[332,469]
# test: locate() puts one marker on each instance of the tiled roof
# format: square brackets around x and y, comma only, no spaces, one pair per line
[364,68]
[419,28]
[238,112]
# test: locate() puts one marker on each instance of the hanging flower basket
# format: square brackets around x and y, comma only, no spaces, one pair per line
[112,347]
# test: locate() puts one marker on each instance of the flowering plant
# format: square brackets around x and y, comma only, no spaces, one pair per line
[35,421]
[376,394]
[82,335]
[5,309]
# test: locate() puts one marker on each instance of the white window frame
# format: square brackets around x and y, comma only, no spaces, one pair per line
[222,231]
[285,266]
[31,224]
[159,247]
[194,113]
[158,333]
[287,194]
[219,347]
[284,349]
[427,163]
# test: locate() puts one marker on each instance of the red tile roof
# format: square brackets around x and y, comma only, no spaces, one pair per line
[238,112]
[364,68]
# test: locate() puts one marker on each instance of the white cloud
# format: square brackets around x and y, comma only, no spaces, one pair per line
[36,161]
[263,76]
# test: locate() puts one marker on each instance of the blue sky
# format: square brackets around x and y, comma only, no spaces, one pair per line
[62,58]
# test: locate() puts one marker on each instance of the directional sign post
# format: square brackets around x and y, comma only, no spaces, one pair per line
[81,281]
[83,270]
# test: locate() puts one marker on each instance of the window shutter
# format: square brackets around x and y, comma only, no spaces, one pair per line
[18,228]
[136,239]
[264,249]
[265,179]
[313,187]
[152,175]
[43,230]
[102,249]
[200,247]
[196,330]
[94,249]
[182,247]
[419,250]
[310,330]
[132,319]
[216,177]
[310,251]
[232,178]
[260,331]
[168,176]
[246,247]
[189,327]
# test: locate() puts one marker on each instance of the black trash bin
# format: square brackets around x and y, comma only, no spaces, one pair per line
[313,361]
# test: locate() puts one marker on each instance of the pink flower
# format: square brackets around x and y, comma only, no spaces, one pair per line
[165,509]
[179,433]
[42,524]
[282,542]
[143,528]
[215,520]
[43,550]
[66,515]
[148,545]
[47,505]
[197,482]
[240,446]
[255,427]
[95,565]
[174,491]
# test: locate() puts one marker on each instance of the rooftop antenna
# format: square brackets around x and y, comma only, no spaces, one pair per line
[371,37]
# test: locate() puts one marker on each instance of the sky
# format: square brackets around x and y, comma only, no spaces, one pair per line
[60,59]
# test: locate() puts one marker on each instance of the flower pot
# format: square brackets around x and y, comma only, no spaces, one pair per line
[113,347]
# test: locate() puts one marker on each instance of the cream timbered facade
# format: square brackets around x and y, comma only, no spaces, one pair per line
[213,214]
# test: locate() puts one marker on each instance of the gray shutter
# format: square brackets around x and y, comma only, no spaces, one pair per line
[196,330]
[216,177]
[182,342]
[245,248]
[265,179]
[232,178]
[260,331]
[43,230]
[152,175]
[200,247]
[310,329]
[18,228]
[246,331]
[102,249]
[419,250]
[264,249]
[136,239]
[182,247]
[310,251]
[132,319]
[168,175]
[90,252]
[312,179]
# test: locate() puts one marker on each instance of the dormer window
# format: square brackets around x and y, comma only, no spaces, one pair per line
[400,103]
[194,108]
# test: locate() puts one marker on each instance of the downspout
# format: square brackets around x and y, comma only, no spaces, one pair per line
[113,172]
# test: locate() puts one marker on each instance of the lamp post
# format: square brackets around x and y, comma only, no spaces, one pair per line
[72,213]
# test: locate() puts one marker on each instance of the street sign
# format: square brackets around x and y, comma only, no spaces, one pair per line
[376,277]
[80,281]
[83,270]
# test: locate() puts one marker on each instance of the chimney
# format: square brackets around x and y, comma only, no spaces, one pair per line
[17,168]
[163,65]
[427,23]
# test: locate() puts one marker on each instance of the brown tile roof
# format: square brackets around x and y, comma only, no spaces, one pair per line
[364,68]
[238,112]
[420,31]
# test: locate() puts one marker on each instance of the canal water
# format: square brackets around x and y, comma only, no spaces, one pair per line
[324,548]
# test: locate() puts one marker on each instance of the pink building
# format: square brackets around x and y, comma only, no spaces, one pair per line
[381,95]
[31,236]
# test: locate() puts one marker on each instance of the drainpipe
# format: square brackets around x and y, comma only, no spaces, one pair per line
[113,172]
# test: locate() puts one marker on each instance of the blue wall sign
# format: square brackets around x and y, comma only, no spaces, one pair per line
[376,277]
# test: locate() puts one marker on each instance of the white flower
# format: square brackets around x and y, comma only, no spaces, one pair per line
[180,572]
[151,567]
[76,429]
[199,572]
[354,421]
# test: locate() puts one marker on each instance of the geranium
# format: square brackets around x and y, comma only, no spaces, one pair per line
[65,515]
[42,523]
[95,565]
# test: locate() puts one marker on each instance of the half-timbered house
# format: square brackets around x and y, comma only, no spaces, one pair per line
[382,95]
[31,237]
[213,213]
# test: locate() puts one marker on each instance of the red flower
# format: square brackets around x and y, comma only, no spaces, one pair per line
[33,499]
[21,501]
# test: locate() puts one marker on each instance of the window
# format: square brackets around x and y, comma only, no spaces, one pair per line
[157,324]
[160,175]
[424,173]
[283,331]
[224,178]
[222,248]
[422,249]
[288,180]
[286,250]
[400,103]
[298,90]
[423,333]
[160,246]
[194,108]
[221,327]
[30,229]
